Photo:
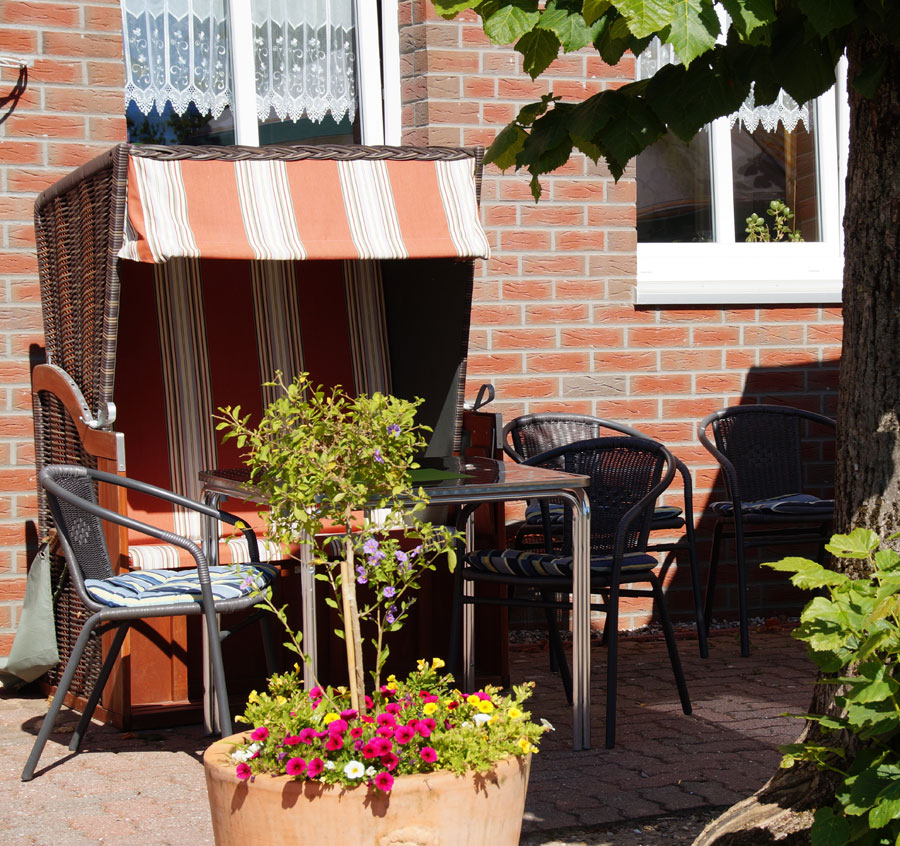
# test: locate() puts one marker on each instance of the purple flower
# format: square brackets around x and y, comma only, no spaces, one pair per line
[389,591]
[370,547]
[361,577]
[393,430]
[403,559]
[378,456]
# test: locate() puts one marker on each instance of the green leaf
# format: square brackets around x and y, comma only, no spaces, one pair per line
[693,30]
[828,15]
[887,807]
[538,48]
[858,544]
[829,829]
[570,28]
[593,10]
[510,23]
[451,8]
[645,17]
[809,575]
[887,559]
[613,38]
[506,146]
[747,16]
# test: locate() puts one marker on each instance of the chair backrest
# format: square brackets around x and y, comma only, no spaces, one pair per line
[766,447]
[80,532]
[533,434]
[627,475]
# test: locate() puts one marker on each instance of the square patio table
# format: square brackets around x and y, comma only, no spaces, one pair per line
[453,481]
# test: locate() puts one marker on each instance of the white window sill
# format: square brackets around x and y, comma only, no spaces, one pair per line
[738,274]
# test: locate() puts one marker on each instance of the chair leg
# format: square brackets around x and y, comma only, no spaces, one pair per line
[742,587]
[557,651]
[218,669]
[268,644]
[695,586]
[453,648]
[612,659]
[712,574]
[660,601]
[97,692]
[61,690]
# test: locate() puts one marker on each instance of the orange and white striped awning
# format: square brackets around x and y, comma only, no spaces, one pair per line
[307,209]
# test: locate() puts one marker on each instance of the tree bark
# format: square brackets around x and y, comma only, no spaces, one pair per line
[867,480]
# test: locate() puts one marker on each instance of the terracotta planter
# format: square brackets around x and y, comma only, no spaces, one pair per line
[437,809]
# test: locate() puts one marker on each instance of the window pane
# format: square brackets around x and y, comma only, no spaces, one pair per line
[777,165]
[305,131]
[169,128]
[674,201]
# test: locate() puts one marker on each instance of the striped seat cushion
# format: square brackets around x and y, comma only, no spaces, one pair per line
[164,587]
[164,556]
[557,513]
[516,562]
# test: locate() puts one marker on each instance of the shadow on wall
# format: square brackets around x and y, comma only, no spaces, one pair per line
[813,388]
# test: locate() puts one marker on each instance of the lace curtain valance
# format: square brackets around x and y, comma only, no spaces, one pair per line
[304,50]
[785,109]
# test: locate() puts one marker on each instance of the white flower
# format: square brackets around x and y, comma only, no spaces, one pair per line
[329,765]
[481,719]
[548,726]
[244,755]
[370,772]
[354,769]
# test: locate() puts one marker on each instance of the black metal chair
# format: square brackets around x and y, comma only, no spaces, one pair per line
[627,475]
[765,452]
[116,602]
[532,434]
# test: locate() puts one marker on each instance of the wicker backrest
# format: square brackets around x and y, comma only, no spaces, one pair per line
[532,434]
[81,532]
[624,471]
[766,446]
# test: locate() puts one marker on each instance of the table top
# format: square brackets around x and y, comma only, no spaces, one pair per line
[449,479]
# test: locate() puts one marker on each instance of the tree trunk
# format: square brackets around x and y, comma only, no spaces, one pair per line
[868,455]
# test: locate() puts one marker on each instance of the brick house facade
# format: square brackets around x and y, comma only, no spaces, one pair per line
[554,326]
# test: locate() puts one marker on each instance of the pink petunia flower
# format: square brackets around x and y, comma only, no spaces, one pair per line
[260,733]
[314,767]
[356,731]
[290,740]
[384,781]
[369,751]
[295,766]
[404,734]
[390,761]
[307,735]
[386,719]
[334,742]
[243,771]
[349,714]
[381,746]
[385,731]
[337,726]
[428,755]
[369,702]
[392,708]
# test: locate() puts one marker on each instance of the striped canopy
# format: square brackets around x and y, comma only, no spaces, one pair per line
[306,209]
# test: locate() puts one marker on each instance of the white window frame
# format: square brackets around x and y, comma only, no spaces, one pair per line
[378,58]
[728,272]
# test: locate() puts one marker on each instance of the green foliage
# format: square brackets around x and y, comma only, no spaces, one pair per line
[758,229]
[853,634]
[319,457]
[417,725]
[790,44]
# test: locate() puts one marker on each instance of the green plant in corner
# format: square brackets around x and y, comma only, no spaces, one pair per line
[852,631]
[782,230]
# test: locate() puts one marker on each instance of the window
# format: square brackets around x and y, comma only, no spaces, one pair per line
[693,201]
[263,72]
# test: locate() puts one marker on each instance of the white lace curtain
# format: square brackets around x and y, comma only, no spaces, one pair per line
[304,52]
[785,109]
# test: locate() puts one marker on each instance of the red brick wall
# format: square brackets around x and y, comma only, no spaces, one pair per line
[554,325]
[71,109]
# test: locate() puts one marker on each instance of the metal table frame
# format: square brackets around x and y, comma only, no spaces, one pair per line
[485,480]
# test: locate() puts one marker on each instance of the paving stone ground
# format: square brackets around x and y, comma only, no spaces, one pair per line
[662,782]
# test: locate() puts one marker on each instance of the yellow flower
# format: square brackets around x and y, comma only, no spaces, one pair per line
[330,718]
[280,700]
[437,663]
[430,708]
[391,680]
[253,697]
[472,699]
[421,664]
[485,706]
[515,713]
[525,745]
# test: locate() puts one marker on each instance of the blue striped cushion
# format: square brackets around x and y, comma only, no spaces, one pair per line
[516,562]
[162,587]
[557,513]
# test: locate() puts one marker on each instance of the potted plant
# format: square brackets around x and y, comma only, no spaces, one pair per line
[412,760]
